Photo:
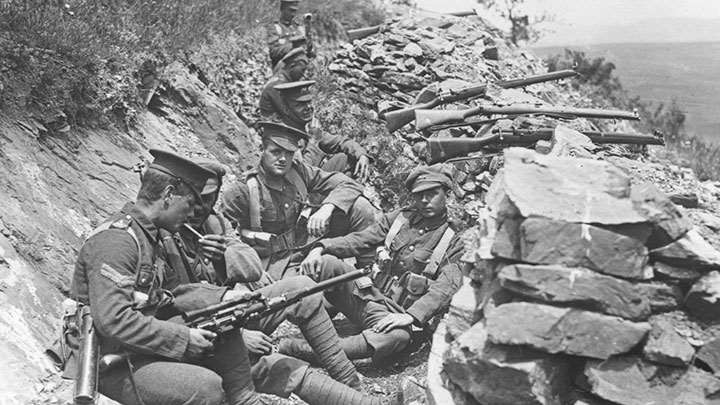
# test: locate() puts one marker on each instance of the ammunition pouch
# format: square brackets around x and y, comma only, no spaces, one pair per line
[403,290]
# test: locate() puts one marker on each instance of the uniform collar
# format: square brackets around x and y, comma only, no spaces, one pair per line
[428,224]
[144,222]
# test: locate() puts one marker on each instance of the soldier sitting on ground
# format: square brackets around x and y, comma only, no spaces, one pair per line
[235,262]
[332,153]
[418,271]
[271,208]
[120,273]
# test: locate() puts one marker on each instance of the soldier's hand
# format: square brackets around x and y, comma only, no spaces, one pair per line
[257,342]
[213,246]
[311,265]
[200,343]
[393,321]
[318,222]
[362,169]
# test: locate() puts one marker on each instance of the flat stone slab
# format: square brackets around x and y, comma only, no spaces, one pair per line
[710,355]
[568,189]
[547,241]
[668,221]
[691,251]
[578,287]
[504,375]
[628,380]
[563,330]
[662,297]
[664,345]
[465,308]
[703,299]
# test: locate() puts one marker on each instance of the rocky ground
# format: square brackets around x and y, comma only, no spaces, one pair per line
[58,185]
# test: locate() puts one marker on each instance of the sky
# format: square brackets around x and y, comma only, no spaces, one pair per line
[590,20]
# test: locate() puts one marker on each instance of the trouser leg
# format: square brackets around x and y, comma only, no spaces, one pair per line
[361,215]
[230,361]
[315,324]
[336,163]
[163,382]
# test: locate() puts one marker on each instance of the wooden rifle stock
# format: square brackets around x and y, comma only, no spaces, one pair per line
[395,120]
[360,33]
[442,149]
[86,382]
[428,118]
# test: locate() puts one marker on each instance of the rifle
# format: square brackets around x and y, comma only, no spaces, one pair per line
[463,13]
[86,382]
[395,120]
[309,42]
[360,33]
[229,315]
[442,149]
[427,118]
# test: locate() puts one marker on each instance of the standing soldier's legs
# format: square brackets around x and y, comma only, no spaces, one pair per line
[314,323]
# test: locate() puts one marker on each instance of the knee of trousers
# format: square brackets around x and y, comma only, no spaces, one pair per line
[209,389]
[362,214]
[387,344]
[278,374]
[331,266]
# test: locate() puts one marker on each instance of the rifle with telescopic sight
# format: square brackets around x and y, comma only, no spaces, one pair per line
[395,120]
[442,149]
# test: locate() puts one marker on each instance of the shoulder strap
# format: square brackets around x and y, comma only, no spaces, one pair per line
[398,223]
[431,268]
[254,203]
[294,177]
[124,224]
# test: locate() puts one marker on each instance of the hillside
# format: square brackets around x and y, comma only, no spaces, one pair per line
[58,184]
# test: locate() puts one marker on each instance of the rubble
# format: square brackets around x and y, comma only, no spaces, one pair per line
[563,330]
[628,380]
[703,299]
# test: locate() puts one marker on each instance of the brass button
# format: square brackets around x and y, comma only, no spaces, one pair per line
[422,231]
[287,205]
[411,248]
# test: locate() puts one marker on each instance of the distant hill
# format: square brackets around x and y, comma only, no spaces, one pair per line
[687,72]
[658,30]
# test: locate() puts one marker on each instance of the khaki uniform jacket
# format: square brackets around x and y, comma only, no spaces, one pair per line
[410,251]
[272,105]
[279,42]
[107,278]
[281,202]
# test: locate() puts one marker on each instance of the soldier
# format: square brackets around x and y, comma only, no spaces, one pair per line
[332,153]
[293,67]
[272,373]
[120,274]
[418,273]
[271,208]
[286,33]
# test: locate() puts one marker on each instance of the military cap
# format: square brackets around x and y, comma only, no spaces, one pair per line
[427,177]
[292,55]
[184,170]
[285,136]
[298,91]
[219,170]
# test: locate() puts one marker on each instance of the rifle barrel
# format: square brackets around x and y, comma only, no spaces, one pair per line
[359,33]
[545,77]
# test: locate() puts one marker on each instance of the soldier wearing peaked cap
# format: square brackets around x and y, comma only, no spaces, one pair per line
[332,153]
[285,33]
[121,274]
[272,105]
[271,208]
[236,262]
[416,277]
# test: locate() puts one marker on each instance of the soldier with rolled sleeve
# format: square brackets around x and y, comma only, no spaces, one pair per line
[272,211]
[121,274]
[417,273]
[332,153]
[272,373]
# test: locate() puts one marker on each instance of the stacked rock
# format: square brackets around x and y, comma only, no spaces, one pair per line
[587,289]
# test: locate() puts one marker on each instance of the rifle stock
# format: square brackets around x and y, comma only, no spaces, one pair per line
[395,120]
[86,382]
[428,118]
[442,149]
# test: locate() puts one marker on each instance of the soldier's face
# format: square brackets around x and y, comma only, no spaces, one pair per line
[177,211]
[431,203]
[302,109]
[288,11]
[202,209]
[275,160]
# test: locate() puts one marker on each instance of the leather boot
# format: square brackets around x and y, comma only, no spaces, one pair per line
[317,389]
